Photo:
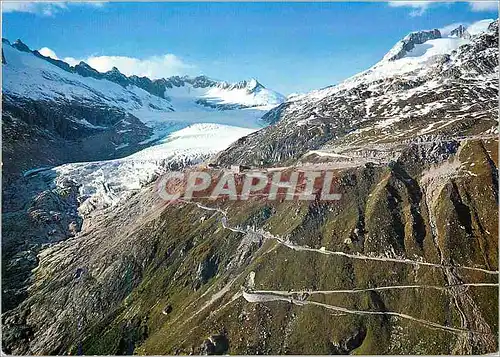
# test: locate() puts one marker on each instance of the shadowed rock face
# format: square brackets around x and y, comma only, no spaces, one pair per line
[155,87]
[408,43]
[215,345]
[47,133]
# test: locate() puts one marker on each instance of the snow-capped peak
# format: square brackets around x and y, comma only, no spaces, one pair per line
[409,42]
[252,84]
[435,41]
[21,46]
[248,93]
[203,90]
[414,57]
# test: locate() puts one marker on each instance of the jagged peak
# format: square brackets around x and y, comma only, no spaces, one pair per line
[460,31]
[115,71]
[19,42]
[203,81]
[251,85]
[85,70]
[85,65]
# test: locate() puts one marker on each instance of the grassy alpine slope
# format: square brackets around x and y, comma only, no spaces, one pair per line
[172,279]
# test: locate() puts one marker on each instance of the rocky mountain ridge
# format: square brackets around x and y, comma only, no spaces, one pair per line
[157,87]
[79,114]
[408,43]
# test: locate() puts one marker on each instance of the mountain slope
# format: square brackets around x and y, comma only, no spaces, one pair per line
[172,280]
[448,87]
[75,140]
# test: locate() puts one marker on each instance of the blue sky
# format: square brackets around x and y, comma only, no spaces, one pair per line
[289,47]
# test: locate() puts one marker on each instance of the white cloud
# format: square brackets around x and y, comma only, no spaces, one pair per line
[153,67]
[483,5]
[418,7]
[479,26]
[47,52]
[44,8]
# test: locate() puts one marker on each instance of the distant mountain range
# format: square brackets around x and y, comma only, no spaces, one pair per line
[67,114]
[158,87]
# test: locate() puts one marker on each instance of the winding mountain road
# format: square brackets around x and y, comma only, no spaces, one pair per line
[259,296]
[288,244]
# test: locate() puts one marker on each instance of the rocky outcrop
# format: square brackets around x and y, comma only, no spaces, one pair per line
[215,345]
[477,58]
[84,70]
[61,64]
[114,75]
[155,87]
